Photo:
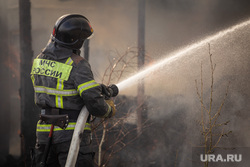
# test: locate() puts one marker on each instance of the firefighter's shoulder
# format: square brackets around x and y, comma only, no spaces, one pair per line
[80,63]
[76,59]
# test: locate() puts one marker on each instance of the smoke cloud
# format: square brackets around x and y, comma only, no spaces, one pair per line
[170,25]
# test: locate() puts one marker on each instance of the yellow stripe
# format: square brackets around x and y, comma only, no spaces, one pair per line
[33,79]
[56,128]
[61,99]
[49,125]
[48,130]
[86,83]
[71,128]
[60,86]
[89,87]
[33,82]
[55,89]
[51,91]
[86,86]
[108,112]
[69,61]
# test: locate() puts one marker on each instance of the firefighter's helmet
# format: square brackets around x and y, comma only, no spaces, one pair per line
[71,30]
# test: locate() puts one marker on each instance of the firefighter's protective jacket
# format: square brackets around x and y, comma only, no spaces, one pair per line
[64,80]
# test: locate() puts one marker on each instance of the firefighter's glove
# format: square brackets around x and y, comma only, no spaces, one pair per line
[105,91]
[113,109]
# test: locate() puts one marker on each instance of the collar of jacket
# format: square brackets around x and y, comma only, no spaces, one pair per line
[56,51]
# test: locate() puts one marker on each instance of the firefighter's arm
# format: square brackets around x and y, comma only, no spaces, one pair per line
[90,91]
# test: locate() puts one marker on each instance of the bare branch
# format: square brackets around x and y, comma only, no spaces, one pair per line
[210,127]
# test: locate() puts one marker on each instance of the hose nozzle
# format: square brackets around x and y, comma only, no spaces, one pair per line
[109,91]
[113,89]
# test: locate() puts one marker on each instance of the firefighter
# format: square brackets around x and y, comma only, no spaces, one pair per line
[63,83]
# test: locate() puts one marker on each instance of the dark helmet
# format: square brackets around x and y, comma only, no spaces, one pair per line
[71,30]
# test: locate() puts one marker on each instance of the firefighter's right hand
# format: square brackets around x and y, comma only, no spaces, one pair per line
[112,105]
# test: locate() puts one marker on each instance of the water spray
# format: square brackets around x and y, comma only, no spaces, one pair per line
[114,89]
[177,55]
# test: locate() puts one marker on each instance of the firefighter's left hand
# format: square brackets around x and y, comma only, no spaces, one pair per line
[105,91]
[112,105]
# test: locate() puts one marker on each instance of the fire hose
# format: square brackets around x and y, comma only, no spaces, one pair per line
[108,92]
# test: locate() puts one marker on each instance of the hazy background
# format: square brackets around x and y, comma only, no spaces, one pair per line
[170,25]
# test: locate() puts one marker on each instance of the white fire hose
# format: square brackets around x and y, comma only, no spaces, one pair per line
[77,137]
[110,91]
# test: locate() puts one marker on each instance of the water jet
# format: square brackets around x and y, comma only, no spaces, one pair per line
[177,55]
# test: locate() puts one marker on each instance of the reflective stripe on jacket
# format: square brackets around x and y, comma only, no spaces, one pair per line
[71,126]
[65,82]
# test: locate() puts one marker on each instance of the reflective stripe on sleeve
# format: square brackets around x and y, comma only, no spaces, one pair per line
[86,86]
[108,112]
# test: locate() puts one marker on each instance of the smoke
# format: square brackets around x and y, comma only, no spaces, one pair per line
[177,92]
[169,26]
[172,24]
